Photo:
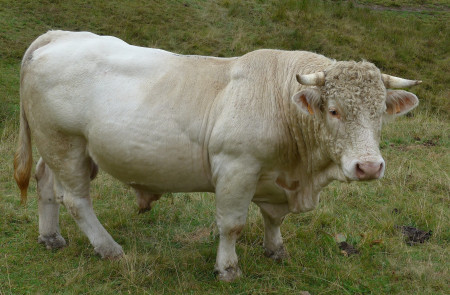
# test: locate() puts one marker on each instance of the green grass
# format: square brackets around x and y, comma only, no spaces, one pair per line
[172,248]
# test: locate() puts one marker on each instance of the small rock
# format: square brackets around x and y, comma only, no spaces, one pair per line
[339,238]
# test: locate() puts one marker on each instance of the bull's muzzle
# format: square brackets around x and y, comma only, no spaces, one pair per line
[363,168]
[369,170]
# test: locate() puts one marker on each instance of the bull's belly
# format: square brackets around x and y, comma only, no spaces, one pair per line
[169,164]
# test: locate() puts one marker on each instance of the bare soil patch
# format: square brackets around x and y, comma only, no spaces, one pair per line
[417,8]
[347,249]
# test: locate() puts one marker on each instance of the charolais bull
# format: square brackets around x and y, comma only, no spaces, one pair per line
[270,127]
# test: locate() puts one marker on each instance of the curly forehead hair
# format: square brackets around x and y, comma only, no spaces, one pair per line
[354,72]
[358,84]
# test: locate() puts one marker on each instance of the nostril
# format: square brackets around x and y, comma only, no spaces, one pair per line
[359,171]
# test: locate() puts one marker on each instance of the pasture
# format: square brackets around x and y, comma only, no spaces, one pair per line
[171,249]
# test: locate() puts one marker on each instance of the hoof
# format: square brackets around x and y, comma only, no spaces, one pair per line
[278,255]
[54,241]
[143,210]
[229,274]
[113,251]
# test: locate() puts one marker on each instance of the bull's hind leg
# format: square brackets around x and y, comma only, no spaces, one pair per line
[72,169]
[49,233]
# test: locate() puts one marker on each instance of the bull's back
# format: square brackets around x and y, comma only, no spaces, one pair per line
[142,120]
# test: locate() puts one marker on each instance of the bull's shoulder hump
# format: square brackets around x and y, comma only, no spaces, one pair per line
[274,58]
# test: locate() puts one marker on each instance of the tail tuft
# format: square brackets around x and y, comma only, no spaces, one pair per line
[23,158]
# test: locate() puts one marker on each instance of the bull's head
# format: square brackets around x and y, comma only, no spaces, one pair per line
[350,101]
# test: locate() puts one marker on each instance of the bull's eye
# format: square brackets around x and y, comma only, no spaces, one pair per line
[334,113]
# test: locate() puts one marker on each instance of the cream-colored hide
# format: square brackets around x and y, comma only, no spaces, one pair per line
[242,127]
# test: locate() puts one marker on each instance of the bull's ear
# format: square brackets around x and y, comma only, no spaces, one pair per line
[308,100]
[399,102]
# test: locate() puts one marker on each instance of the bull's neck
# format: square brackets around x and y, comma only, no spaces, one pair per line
[308,163]
[304,151]
[308,151]
[304,162]
[299,147]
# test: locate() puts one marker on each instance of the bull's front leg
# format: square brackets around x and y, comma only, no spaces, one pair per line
[273,215]
[235,188]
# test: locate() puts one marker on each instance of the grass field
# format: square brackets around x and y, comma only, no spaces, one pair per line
[171,250]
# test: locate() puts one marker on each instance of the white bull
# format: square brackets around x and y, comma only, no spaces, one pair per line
[272,127]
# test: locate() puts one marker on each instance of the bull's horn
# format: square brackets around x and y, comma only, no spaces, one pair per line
[315,79]
[396,82]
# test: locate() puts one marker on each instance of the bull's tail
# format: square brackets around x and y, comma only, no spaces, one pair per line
[23,158]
